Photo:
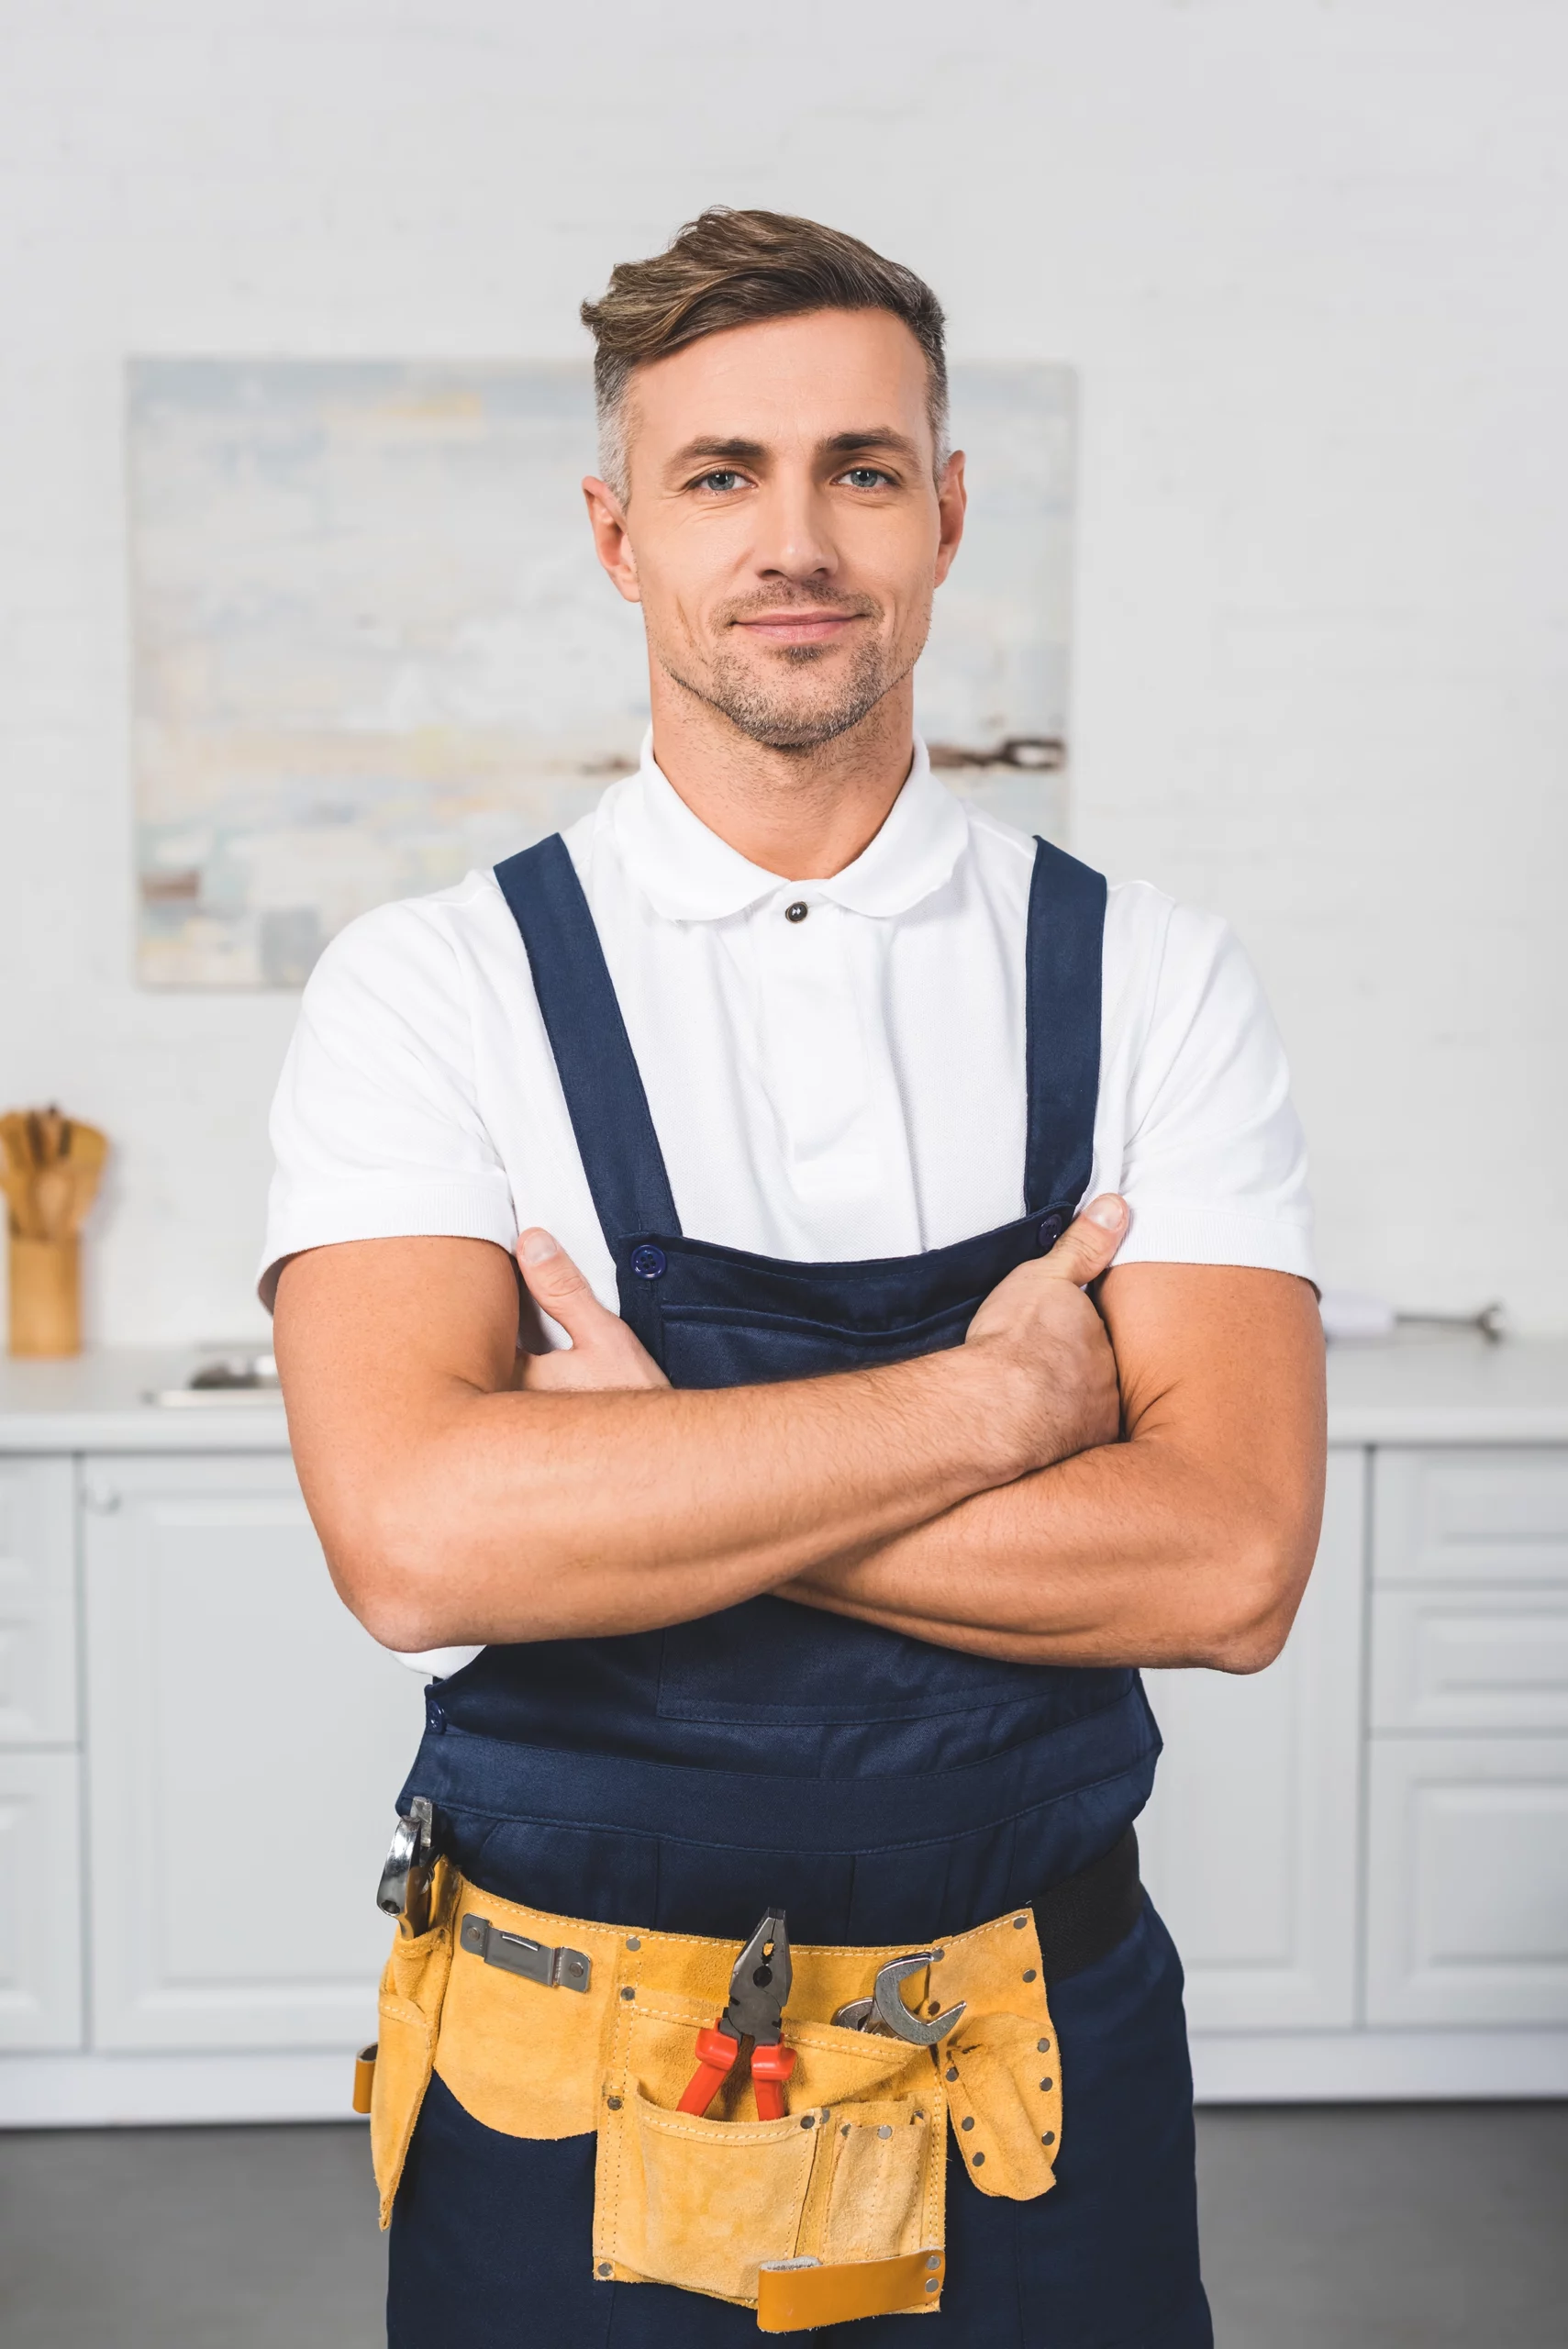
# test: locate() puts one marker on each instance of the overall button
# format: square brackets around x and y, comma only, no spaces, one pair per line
[648,1262]
[1050,1230]
[798,911]
[435,1715]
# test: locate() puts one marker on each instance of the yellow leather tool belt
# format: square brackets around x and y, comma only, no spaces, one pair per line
[546,2027]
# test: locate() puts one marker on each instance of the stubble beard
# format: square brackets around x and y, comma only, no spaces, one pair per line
[766,711]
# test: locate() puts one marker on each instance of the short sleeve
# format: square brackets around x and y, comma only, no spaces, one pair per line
[1213,1161]
[376,1133]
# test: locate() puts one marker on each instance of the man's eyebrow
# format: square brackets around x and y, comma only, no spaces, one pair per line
[739,451]
[736,451]
[876,436]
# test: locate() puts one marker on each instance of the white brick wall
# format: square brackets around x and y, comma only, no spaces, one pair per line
[1311,259]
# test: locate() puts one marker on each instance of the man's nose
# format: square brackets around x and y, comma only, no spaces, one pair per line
[793,538]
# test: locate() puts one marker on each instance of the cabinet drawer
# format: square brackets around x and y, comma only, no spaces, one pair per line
[1467,1893]
[40,1901]
[1498,1513]
[38,1603]
[1470,1659]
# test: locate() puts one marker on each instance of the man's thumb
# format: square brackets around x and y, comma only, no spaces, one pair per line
[555,1282]
[1087,1246]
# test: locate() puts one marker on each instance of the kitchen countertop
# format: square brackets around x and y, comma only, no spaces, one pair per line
[1431,1390]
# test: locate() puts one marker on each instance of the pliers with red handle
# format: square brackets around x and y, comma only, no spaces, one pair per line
[759,1993]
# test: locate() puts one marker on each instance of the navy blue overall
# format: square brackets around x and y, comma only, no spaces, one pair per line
[881,1790]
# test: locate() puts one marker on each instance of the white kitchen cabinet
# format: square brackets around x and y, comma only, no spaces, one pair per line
[1250,1843]
[1468,1881]
[1470,1513]
[40,1901]
[1463,1657]
[38,1603]
[247,1742]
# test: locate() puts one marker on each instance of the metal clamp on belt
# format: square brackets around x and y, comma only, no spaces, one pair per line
[404,1891]
[557,1969]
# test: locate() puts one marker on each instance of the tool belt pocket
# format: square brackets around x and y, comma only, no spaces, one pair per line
[854,2177]
[413,1987]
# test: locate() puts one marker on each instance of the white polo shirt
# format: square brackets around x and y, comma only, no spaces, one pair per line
[844,1085]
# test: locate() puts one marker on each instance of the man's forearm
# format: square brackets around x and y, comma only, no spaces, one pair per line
[1126,1554]
[529,1517]
[1190,1542]
[453,1507]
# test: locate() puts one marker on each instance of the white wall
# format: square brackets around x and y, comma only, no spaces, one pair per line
[1311,262]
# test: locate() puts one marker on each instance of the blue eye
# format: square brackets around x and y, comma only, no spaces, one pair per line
[865,477]
[724,478]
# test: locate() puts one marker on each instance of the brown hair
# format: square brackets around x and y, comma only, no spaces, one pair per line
[729,269]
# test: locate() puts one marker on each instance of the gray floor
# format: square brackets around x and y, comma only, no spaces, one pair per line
[1341,2228]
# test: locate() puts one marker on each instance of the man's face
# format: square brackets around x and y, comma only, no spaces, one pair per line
[783,532]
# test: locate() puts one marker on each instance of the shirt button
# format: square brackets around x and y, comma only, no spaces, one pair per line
[798,911]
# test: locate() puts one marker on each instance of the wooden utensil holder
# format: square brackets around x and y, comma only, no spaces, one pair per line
[46,1295]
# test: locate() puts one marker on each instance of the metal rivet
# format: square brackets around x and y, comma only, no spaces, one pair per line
[614,2103]
[628,1992]
[976,2159]
[968,2121]
[952,2071]
[933,2285]
[1028,1974]
[1048,2137]
[935,2007]
[634,1940]
[845,2130]
[935,2260]
[798,911]
[604,2268]
[1047,2082]
[809,2120]
[1042,2046]
[1019,1924]
[885,2130]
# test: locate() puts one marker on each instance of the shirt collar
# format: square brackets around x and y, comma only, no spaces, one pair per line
[690,874]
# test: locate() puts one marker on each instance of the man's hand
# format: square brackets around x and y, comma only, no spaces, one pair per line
[1038,1324]
[604,1353]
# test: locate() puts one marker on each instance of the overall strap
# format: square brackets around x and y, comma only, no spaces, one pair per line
[598,1071]
[1061,998]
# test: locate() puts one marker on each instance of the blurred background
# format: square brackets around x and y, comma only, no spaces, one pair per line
[1308,261]
[1294,275]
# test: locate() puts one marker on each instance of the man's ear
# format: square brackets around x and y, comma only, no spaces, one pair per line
[952,498]
[612,544]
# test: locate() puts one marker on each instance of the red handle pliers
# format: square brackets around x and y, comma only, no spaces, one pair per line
[759,1993]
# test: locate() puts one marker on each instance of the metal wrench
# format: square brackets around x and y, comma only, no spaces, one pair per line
[885,2012]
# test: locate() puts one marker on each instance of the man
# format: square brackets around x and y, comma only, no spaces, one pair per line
[797,1549]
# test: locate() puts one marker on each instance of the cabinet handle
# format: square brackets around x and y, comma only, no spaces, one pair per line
[102,1499]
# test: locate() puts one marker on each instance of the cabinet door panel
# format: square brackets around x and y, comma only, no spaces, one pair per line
[1468,1881]
[1449,1659]
[38,1603]
[40,1901]
[1452,1514]
[1250,1841]
[247,1740]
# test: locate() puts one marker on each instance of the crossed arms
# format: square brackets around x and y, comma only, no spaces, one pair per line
[1138,1482]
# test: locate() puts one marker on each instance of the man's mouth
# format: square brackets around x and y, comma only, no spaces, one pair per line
[798,628]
